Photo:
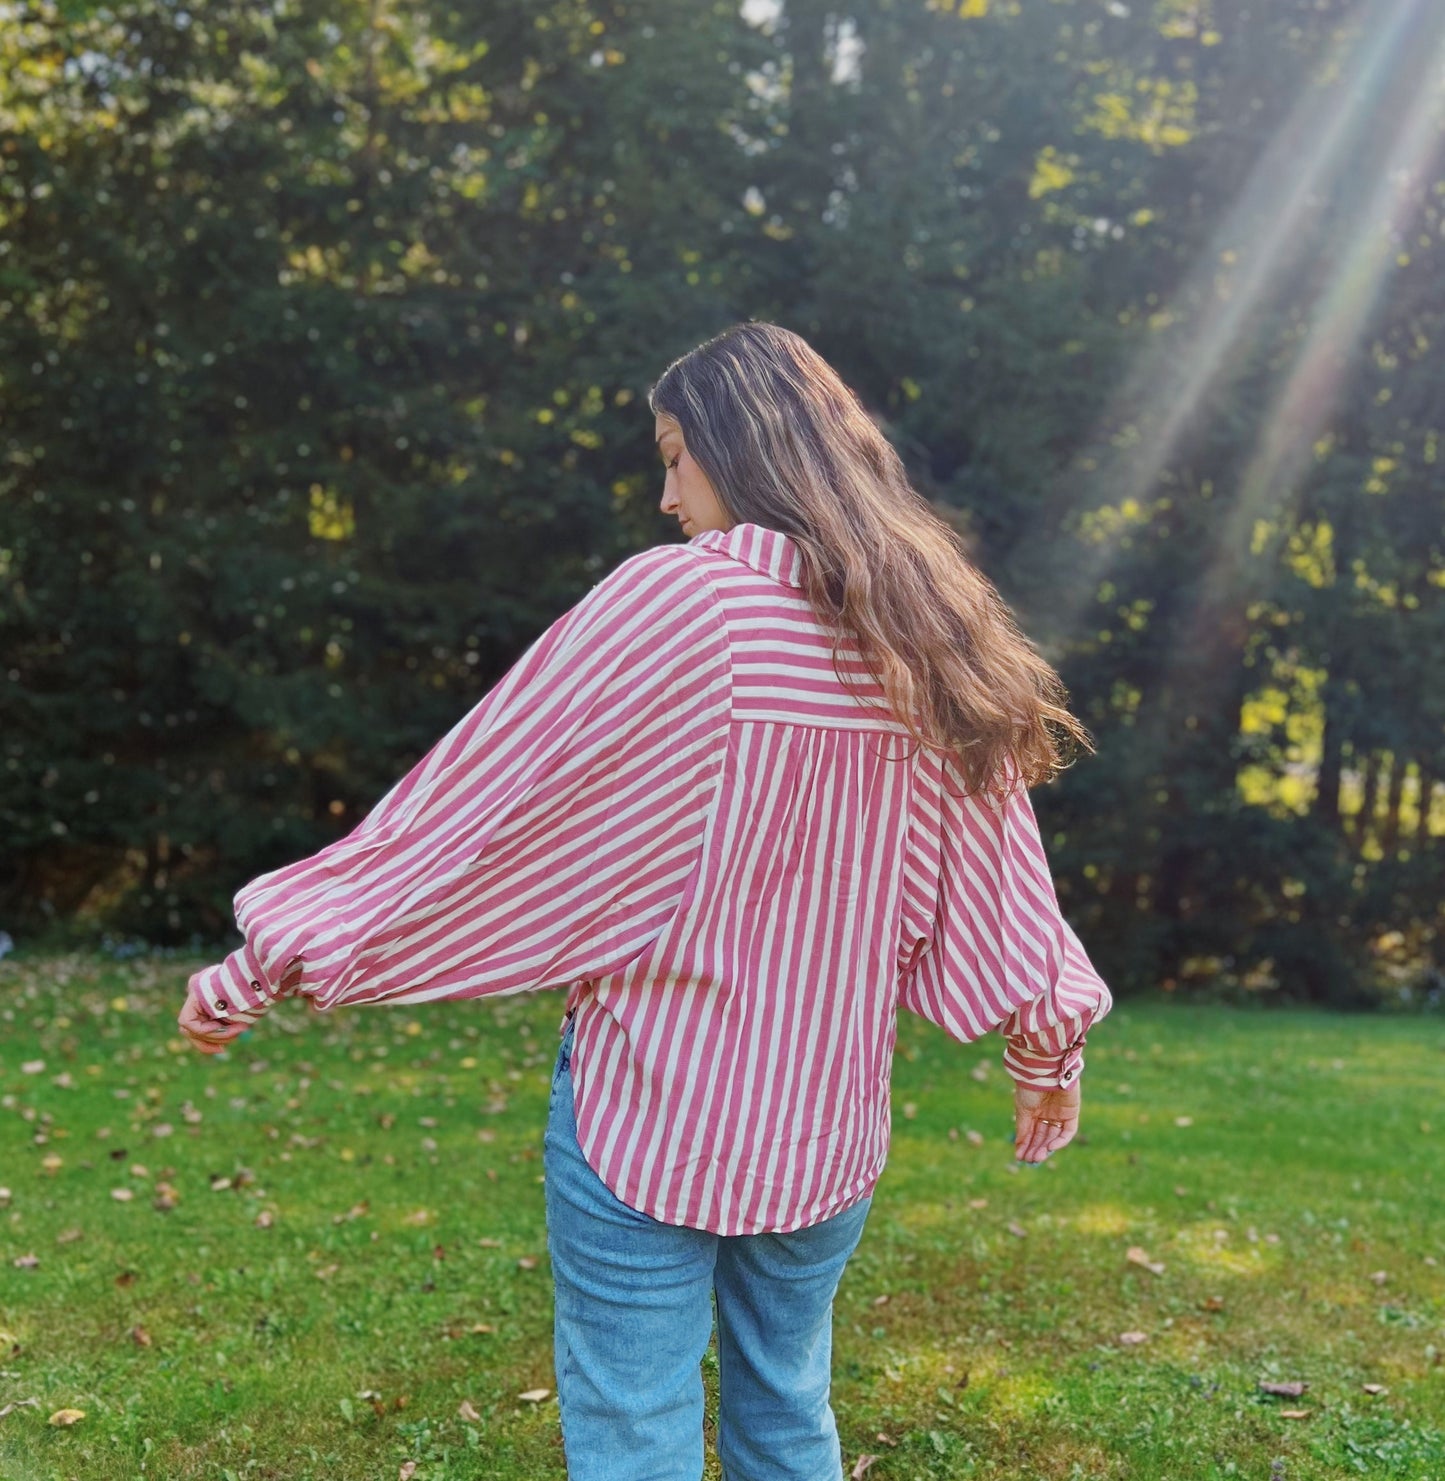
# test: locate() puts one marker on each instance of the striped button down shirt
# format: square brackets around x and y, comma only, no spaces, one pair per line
[672,806]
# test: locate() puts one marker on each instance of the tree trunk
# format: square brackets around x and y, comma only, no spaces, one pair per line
[1427,801]
[1369,799]
[1327,784]
[1390,836]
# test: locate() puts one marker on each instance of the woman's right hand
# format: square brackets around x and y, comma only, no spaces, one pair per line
[1044,1121]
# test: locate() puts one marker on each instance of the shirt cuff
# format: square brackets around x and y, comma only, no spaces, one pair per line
[1044,1071]
[236,990]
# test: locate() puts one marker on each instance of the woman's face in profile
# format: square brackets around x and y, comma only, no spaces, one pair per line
[686,493]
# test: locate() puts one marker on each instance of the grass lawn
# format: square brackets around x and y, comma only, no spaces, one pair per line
[322,1254]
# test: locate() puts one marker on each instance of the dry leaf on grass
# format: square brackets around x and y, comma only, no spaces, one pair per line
[1295,1413]
[26,1262]
[1374,1388]
[1291,1390]
[408,1470]
[1212,1303]
[1139,1257]
[66,1416]
[534,1395]
[18,1404]
[861,1466]
[1017,1230]
[1133,1339]
[467,1412]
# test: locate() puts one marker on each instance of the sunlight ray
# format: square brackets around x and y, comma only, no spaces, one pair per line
[1261,239]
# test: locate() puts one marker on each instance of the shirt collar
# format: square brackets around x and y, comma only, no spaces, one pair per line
[771,552]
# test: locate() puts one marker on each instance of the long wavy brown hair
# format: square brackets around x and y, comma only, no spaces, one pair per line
[787,445]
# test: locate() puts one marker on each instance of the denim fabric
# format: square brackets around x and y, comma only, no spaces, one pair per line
[634,1312]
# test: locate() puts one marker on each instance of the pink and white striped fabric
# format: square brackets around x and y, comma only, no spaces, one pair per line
[673,806]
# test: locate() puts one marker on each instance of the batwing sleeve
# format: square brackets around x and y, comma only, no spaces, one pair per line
[546,838]
[1001,955]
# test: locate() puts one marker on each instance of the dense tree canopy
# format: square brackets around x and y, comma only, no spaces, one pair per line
[325,337]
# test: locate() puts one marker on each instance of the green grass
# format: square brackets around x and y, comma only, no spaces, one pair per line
[1299,1216]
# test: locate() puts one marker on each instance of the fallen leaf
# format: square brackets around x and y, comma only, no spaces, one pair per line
[51,1164]
[1284,1390]
[326,1272]
[264,1219]
[18,1404]
[408,1470]
[978,1203]
[1184,1120]
[1212,1303]
[32,1067]
[490,1244]
[1295,1413]
[910,1110]
[420,1216]
[1132,1339]
[527,1262]
[126,1278]
[26,1262]
[1017,1230]
[66,1416]
[534,1395]
[467,1412]
[1374,1388]
[973,1138]
[1380,1277]
[140,1336]
[1180,1191]
[979,1072]
[483,1327]
[1139,1257]
[121,1195]
[881,1300]
[220,1184]
[356,1211]
[69,1236]
[863,1463]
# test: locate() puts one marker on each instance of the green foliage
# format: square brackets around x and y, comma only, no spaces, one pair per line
[325,336]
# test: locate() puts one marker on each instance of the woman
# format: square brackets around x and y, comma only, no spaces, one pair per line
[746,798]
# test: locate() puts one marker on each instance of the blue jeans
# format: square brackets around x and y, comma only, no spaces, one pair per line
[634,1312]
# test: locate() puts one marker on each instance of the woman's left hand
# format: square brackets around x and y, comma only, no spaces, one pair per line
[1044,1121]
